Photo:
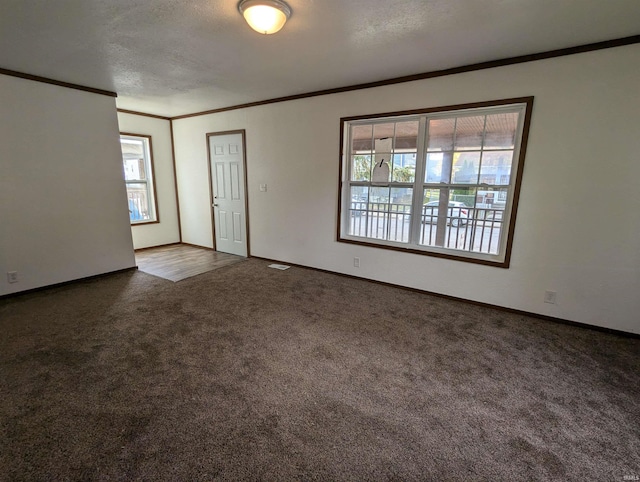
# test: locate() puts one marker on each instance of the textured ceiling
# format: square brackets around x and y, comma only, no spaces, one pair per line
[173,57]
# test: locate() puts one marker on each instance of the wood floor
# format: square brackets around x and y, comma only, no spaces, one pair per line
[181,261]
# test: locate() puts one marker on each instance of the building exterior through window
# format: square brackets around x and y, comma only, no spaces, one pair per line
[138,175]
[442,182]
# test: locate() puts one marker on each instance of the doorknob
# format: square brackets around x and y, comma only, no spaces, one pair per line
[214,205]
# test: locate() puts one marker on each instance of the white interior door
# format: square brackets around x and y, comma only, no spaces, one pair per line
[226,162]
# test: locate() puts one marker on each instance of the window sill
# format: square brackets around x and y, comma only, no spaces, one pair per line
[143,223]
[497,262]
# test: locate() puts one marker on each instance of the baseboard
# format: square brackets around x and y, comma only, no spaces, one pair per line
[65,283]
[197,246]
[180,243]
[626,334]
[552,319]
[158,246]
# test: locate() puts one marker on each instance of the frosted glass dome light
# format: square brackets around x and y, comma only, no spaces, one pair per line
[265,16]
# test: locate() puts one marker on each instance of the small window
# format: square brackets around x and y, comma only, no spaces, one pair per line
[442,182]
[138,175]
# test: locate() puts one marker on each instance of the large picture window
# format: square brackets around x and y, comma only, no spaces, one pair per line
[443,181]
[138,175]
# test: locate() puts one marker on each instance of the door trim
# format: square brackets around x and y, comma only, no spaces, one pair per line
[243,134]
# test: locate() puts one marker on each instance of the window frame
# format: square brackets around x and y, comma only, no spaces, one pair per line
[150,174]
[502,259]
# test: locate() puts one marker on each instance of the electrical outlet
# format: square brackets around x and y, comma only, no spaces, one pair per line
[550,297]
[263,188]
[356,262]
[12,276]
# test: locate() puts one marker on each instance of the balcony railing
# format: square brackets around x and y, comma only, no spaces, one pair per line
[476,229]
[138,205]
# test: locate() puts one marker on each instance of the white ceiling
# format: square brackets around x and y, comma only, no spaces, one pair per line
[173,57]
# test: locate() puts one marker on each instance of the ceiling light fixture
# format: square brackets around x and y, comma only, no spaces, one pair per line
[265,16]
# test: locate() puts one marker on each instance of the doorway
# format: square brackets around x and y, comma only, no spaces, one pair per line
[228,192]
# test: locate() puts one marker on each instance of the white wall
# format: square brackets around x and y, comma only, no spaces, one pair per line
[166,231]
[578,225]
[63,207]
